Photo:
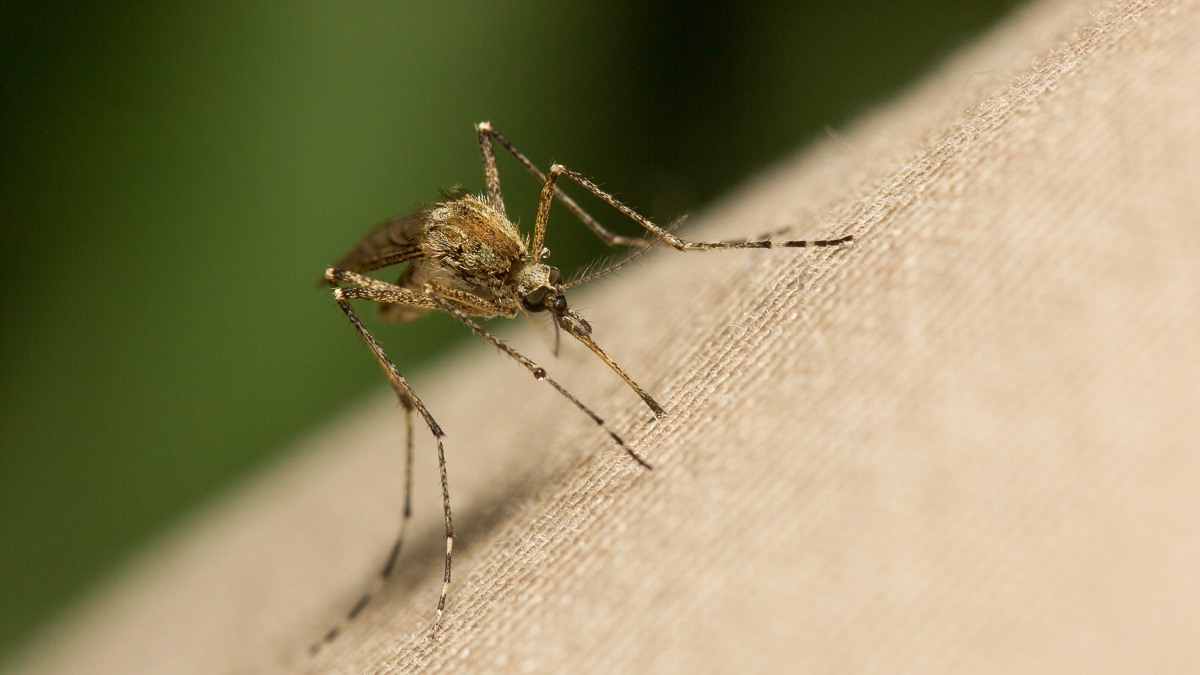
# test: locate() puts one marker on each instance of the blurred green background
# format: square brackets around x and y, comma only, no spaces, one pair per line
[175,177]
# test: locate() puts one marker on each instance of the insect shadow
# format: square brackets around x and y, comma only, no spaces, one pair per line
[466,258]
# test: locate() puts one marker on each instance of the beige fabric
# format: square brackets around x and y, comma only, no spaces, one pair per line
[968,443]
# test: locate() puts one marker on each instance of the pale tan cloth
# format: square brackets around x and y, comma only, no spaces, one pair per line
[970,442]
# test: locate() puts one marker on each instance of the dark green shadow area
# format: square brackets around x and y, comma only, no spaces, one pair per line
[175,177]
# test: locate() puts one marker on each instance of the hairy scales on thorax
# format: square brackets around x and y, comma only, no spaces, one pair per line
[475,243]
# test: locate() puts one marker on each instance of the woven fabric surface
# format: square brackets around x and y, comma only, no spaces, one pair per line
[968,442]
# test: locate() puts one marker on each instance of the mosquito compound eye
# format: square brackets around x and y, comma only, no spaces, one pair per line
[555,276]
[560,304]
[536,301]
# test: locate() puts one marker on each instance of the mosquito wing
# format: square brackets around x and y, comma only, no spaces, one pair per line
[389,244]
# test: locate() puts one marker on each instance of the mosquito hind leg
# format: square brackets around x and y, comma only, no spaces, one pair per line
[489,166]
[411,403]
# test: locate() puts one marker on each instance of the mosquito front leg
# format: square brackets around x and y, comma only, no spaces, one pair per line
[537,371]
[410,401]
[549,191]
[486,133]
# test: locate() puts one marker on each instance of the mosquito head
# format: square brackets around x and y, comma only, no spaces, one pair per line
[541,290]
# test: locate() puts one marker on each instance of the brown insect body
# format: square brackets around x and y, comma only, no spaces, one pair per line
[464,243]
[466,258]
[480,248]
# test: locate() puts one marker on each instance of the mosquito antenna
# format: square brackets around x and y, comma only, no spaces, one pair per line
[634,256]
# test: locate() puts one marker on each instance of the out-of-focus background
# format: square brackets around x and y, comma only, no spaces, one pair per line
[175,177]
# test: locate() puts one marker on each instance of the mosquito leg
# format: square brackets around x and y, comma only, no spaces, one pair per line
[487,132]
[370,288]
[375,290]
[549,191]
[437,618]
[538,372]
[471,305]
[468,305]
[336,275]
[408,398]
[489,166]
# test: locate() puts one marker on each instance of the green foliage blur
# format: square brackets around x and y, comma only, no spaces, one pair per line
[174,177]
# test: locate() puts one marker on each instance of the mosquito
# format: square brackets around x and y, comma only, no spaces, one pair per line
[466,258]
